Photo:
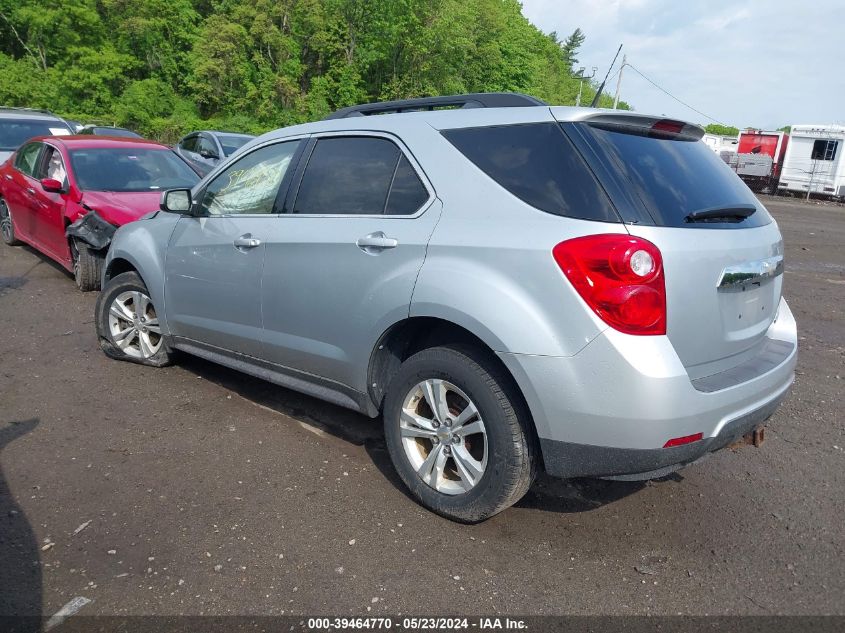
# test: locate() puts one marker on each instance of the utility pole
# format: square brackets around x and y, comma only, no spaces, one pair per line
[619,81]
[581,78]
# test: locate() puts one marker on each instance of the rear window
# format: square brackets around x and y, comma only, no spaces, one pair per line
[674,178]
[538,164]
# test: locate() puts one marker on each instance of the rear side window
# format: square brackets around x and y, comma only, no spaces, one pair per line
[538,164]
[674,177]
[27,159]
[359,176]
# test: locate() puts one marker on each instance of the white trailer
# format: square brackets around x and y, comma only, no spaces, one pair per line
[814,161]
[719,143]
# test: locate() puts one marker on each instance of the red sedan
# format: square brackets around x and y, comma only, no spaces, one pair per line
[64,196]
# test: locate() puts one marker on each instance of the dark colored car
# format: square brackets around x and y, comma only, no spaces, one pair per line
[107,130]
[64,196]
[204,150]
[18,125]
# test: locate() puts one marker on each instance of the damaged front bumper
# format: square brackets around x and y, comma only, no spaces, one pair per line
[93,230]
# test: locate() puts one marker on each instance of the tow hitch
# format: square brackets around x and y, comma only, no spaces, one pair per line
[754,438]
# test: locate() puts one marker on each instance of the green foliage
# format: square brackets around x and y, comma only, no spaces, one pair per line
[721,130]
[164,67]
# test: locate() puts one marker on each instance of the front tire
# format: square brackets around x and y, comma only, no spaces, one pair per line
[7,228]
[127,322]
[87,266]
[458,433]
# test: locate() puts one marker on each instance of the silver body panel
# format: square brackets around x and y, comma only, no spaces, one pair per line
[307,307]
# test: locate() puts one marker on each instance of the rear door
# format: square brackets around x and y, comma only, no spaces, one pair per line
[20,189]
[722,251]
[342,262]
[214,260]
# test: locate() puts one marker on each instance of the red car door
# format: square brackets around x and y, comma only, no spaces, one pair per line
[49,207]
[19,183]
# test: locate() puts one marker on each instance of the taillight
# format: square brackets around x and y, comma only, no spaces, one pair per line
[621,279]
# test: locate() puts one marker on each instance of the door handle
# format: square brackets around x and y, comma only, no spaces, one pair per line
[377,241]
[246,241]
[30,191]
[8,177]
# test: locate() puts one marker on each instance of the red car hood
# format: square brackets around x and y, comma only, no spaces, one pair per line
[120,208]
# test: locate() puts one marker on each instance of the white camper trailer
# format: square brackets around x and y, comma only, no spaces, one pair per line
[814,161]
[719,143]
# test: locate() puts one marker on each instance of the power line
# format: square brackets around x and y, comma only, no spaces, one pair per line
[634,68]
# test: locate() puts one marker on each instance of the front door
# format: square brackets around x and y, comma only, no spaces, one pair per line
[214,259]
[49,207]
[341,265]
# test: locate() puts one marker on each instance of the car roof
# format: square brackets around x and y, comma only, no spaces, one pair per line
[216,132]
[464,118]
[88,141]
[26,113]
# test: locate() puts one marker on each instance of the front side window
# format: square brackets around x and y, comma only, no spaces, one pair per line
[359,176]
[189,144]
[27,159]
[125,169]
[52,165]
[207,146]
[250,185]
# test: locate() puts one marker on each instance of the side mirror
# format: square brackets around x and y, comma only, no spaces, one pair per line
[51,185]
[207,153]
[176,201]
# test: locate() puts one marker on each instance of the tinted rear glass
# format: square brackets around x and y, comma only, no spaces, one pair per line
[115,131]
[14,132]
[130,169]
[538,164]
[674,178]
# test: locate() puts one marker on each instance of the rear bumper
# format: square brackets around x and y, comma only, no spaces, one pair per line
[608,410]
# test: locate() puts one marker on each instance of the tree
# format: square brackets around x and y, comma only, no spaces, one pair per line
[721,130]
[571,46]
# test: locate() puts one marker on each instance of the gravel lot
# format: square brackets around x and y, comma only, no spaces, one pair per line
[197,490]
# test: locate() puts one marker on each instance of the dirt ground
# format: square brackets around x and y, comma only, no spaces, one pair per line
[198,490]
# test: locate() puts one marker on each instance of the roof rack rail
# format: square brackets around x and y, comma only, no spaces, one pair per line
[473,100]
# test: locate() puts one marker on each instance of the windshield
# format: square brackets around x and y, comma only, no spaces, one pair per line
[115,131]
[130,169]
[232,142]
[15,132]
[674,178]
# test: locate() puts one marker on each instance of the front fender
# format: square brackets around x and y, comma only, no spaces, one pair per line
[143,245]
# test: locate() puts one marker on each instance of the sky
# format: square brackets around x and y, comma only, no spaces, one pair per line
[760,63]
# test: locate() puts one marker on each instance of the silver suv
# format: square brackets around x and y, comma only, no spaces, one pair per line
[512,287]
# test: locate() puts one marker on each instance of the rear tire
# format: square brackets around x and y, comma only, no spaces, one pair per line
[87,266]
[467,472]
[7,228]
[127,323]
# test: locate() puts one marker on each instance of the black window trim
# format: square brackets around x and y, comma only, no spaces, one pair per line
[197,196]
[403,149]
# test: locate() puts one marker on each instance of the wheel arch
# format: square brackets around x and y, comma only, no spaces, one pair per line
[413,334]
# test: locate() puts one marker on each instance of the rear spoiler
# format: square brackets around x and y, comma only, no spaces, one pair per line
[644,125]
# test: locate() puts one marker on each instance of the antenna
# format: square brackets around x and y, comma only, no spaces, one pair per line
[601,87]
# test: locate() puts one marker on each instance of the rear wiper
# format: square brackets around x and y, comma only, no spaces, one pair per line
[722,214]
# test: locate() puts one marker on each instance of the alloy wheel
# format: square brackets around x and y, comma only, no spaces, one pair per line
[5,220]
[134,325]
[444,436]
